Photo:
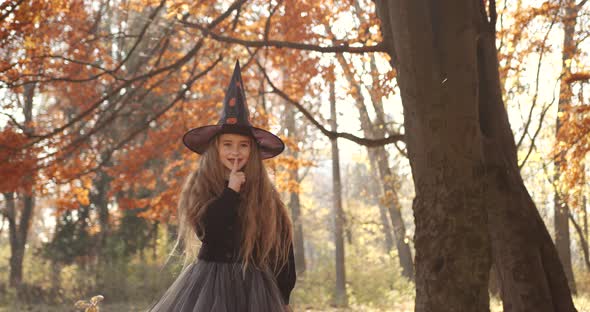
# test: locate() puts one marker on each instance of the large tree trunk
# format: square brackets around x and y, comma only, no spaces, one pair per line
[294,202]
[471,202]
[561,206]
[340,296]
[433,49]
[532,278]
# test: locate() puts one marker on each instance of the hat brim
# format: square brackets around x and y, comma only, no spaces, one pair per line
[198,139]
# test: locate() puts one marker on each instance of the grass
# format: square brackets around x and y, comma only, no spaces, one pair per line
[582,304]
[121,307]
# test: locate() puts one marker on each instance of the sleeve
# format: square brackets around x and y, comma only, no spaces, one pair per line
[220,215]
[287,277]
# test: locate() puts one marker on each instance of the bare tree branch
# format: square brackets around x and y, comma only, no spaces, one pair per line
[104,71]
[501,44]
[534,137]
[7,11]
[180,95]
[67,151]
[326,132]
[127,82]
[268,20]
[16,123]
[344,48]
[537,80]
[144,29]
[583,240]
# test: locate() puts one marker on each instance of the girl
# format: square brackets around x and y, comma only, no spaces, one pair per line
[246,260]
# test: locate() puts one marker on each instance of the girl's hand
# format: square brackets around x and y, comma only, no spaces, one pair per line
[236,178]
[287,308]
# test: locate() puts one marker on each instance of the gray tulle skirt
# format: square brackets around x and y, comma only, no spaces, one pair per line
[221,287]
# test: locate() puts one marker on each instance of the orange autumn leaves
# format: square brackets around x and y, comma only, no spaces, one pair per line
[77,194]
[15,164]
[105,79]
[572,150]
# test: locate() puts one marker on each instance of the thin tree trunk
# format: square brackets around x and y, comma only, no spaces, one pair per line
[83,233]
[56,266]
[585,216]
[393,205]
[294,202]
[582,230]
[295,206]
[16,248]
[156,230]
[100,200]
[583,241]
[394,208]
[368,130]
[340,296]
[561,207]
[399,228]
[383,213]
[19,230]
[379,158]
[55,280]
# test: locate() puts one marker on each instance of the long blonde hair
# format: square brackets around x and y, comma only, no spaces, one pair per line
[266,228]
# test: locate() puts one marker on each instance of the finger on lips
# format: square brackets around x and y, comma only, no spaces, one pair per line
[235,167]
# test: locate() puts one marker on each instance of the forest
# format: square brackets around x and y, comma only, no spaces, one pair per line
[437,153]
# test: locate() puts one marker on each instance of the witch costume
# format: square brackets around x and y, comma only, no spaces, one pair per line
[217,280]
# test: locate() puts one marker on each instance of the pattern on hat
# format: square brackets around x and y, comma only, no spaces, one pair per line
[235,118]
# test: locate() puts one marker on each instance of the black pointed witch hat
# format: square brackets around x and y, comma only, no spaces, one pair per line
[234,119]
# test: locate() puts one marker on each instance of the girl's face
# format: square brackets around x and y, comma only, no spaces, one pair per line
[234,146]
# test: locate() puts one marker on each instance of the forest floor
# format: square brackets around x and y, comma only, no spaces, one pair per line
[582,304]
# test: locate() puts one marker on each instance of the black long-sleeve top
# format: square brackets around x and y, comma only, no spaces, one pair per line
[221,239]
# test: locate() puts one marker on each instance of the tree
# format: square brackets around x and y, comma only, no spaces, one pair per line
[462,197]
[561,206]
[88,117]
[471,204]
[19,224]
[389,205]
[340,295]
[294,200]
